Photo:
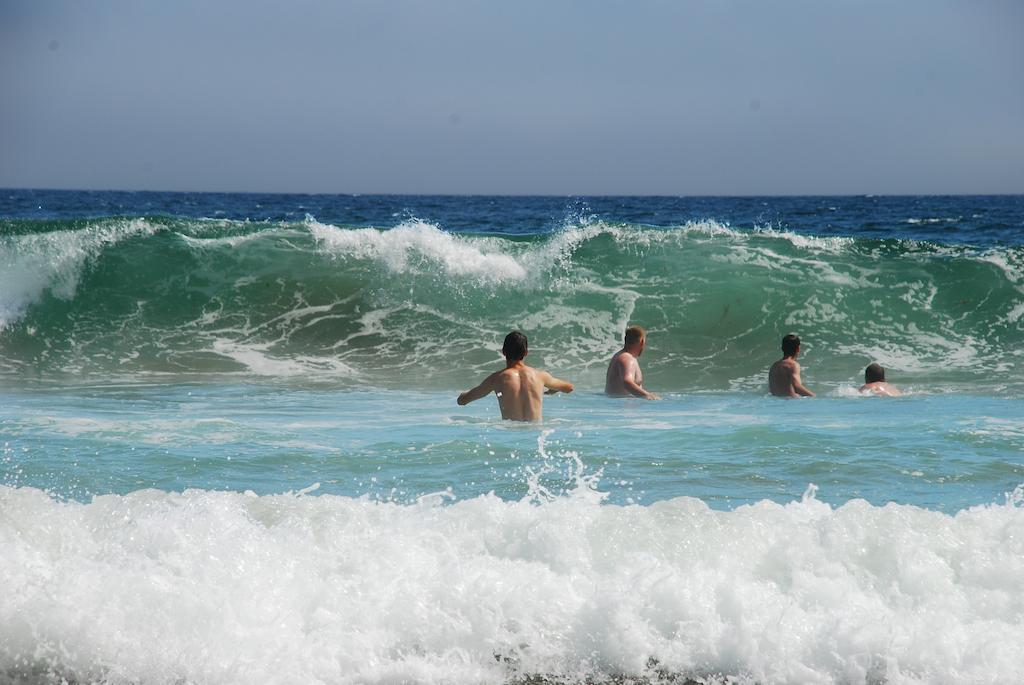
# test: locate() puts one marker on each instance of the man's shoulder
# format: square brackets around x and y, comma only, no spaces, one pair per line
[883,388]
[516,371]
[507,372]
[492,377]
[533,372]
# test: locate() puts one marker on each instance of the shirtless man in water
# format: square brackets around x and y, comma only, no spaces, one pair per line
[784,376]
[520,388]
[624,378]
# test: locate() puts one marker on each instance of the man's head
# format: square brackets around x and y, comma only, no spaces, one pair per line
[635,339]
[514,347]
[874,374]
[791,345]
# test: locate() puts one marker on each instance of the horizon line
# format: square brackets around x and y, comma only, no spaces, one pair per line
[507,195]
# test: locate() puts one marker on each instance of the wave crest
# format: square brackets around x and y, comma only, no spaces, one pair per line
[416,245]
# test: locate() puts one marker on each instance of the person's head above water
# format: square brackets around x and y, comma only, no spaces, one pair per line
[514,347]
[790,345]
[635,338]
[874,373]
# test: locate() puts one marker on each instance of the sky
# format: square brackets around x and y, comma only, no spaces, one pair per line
[549,97]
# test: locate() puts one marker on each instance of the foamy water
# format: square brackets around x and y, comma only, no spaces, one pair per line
[234,588]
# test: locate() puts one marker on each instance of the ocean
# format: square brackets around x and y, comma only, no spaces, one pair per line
[231,453]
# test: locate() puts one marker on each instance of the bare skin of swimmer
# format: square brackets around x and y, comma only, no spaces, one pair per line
[520,389]
[874,382]
[624,378]
[880,388]
[784,376]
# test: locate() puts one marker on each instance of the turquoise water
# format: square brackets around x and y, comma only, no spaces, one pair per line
[943,452]
[230,450]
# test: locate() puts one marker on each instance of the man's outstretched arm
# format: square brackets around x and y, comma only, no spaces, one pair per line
[554,385]
[482,390]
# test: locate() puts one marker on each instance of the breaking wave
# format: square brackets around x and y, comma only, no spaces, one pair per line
[417,305]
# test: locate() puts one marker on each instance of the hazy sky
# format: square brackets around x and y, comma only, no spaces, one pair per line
[678,98]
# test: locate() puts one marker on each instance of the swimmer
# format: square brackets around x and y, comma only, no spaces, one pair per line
[624,378]
[520,388]
[874,381]
[784,376]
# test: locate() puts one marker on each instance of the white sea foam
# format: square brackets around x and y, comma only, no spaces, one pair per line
[1008,263]
[146,431]
[830,244]
[1013,316]
[709,228]
[257,359]
[225,241]
[933,220]
[221,587]
[414,241]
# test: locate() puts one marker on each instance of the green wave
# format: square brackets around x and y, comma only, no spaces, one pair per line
[415,305]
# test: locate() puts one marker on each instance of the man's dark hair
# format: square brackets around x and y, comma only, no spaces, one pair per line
[874,373]
[514,348]
[790,344]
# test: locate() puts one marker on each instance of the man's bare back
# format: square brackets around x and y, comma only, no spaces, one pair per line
[781,378]
[880,388]
[520,388]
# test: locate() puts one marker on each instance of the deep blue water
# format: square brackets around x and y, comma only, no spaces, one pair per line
[975,219]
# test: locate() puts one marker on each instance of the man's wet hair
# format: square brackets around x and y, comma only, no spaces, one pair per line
[514,347]
[874,373]
[790,344]
[634,334]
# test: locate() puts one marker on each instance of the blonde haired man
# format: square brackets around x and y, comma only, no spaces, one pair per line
[624,378]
